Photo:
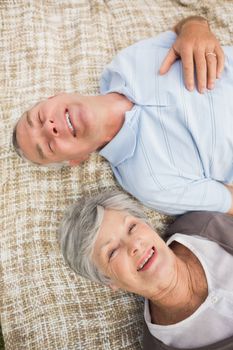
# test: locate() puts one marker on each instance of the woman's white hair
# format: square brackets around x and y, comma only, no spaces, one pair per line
[80,225]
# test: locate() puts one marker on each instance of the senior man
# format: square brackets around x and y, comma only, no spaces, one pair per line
[170,148]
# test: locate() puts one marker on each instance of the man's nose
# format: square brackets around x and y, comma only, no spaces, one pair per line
[51,128]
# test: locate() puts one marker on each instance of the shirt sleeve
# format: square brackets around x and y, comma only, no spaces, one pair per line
[204,195]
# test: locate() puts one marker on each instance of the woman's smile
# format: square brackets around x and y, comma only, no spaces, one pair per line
[147,260]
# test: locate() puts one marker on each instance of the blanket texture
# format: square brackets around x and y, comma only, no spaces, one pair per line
[46,47]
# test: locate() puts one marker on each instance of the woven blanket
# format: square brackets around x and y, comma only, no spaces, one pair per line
[46,47]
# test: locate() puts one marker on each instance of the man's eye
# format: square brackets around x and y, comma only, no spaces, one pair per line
[39,118]
[50,147]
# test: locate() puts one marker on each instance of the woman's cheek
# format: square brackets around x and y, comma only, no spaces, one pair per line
[118,267]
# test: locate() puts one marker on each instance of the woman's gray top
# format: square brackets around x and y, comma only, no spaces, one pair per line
[216,227]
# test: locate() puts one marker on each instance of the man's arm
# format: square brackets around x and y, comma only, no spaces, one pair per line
[197,46]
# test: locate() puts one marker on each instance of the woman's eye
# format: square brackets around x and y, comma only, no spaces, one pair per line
[112,253]
[131,227]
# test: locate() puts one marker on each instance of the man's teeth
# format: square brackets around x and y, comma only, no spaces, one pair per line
[146,260]
[69,121]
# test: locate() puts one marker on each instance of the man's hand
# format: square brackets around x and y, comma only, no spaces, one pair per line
[197,47]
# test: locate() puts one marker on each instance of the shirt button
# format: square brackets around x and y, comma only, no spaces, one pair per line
[214,299]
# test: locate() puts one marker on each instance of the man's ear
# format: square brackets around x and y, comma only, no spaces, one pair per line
[75,162]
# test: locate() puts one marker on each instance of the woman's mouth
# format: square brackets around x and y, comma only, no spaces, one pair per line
[147,260]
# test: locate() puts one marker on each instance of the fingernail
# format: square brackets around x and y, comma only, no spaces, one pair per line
[190,87]
[160,71]
[210,86]
[202,90]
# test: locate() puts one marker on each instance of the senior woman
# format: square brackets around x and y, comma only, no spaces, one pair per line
[188,292]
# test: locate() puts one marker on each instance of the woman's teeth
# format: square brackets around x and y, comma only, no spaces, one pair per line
[146,260]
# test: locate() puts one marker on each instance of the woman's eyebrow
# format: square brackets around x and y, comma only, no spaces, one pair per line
[105,244]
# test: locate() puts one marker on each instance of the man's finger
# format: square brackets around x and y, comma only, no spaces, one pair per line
[188,68]
[211,70]
[168,61]
[201,70]
[220,60]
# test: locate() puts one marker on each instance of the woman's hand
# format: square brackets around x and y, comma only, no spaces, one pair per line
[199,50]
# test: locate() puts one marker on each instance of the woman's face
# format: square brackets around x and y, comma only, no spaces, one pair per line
[133,255]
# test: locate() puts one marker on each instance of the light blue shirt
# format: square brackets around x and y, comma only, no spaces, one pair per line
[175,148]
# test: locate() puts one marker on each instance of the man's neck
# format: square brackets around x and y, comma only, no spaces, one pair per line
[114,107]
[187,293]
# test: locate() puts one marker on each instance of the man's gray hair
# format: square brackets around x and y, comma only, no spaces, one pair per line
[15,142]
[80,225]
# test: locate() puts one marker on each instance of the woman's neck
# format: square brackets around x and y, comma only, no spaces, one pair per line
[186,294]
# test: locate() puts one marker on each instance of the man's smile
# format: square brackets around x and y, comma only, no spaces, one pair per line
[70,123]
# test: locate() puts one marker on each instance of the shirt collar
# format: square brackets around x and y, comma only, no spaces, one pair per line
[122,146]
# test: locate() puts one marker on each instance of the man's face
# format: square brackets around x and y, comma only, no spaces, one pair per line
[133,255]
[64,127]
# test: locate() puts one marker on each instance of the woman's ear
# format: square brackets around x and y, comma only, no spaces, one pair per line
[113,286]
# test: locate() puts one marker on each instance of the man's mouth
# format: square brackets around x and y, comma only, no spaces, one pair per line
[69,123]
[145,263]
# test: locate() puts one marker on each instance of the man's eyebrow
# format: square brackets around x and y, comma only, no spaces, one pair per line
[29,121]
[40,152]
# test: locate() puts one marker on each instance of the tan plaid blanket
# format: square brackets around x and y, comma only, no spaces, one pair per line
[46,47]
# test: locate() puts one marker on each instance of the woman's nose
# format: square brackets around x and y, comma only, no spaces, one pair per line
[134,245]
